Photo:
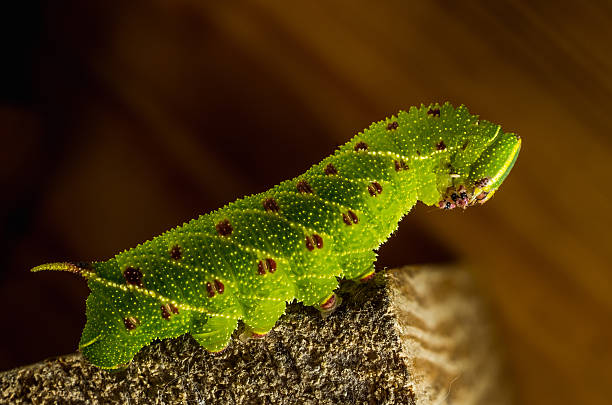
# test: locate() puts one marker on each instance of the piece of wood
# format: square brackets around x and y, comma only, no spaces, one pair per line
[416,335]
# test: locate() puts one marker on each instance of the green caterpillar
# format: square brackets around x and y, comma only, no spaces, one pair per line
[249,258]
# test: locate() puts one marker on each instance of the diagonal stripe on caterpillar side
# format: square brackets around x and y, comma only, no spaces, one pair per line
[246,260]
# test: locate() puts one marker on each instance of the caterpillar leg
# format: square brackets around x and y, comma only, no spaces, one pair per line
[360,266]
[367,276]
[329,305]
[214,334]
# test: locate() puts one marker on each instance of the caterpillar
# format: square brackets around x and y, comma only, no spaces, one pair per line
[246,260]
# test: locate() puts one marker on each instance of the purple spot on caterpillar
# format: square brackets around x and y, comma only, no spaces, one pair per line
[309,243]
[219,286]
[131,322]
[271,205]
[418,153]
[361,146]
[482,182]
[133,276]
[268,264]
[435,112]
[166,312]
[392,125]
[330,169]
[440,145]
[261,269]
[318,241]
[374,188]
[329,303]
[353,217]
[210,289]
[346,219]
[224,228]
[303,187]
[400,165]
[176,252]
[271,264]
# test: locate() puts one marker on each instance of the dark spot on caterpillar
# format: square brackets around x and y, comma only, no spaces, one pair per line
[173,309]
[440,145]
[400,165]
[330,169]
[454,196]
[392,125]
[418,152]
[353,217]
[374,188]
[219,286]
[210,289]
[482,182]
[271,265]
[346,219]
[309,243]
[224,228]
[271,205]
[465,145]
[131,322]
[303,187]
[133,276]
[318,240]
[176,252]
[361,146]
[435,112]
[260,268]
[165,311]
[329,303]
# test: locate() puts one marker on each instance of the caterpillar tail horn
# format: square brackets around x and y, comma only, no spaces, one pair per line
[82,269]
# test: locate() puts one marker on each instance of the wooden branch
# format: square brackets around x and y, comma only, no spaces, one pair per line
[416,335]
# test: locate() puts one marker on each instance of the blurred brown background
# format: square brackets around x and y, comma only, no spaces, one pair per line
[120,120]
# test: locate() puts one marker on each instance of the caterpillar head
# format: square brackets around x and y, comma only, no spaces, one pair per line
[486,174]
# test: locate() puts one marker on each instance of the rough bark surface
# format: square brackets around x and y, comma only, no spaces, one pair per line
[416,335]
